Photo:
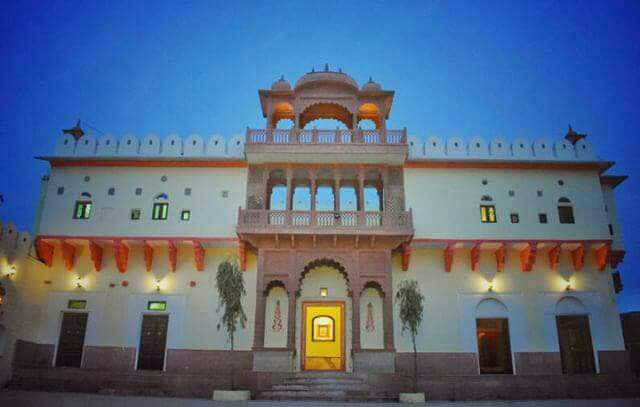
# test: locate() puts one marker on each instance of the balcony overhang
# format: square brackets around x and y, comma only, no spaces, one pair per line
[266,228]
[318,146]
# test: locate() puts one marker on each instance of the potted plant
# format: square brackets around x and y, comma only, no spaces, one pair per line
[230,292]
[411,308]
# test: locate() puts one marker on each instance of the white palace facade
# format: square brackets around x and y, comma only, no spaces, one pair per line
[514,245]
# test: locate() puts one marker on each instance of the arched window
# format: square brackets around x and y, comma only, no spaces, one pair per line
[278,197]
[160,207]
[565,211]
[487,210]
[83,206]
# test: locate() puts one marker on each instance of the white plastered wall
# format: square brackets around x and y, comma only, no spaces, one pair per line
[445,203]
[451,300]
[212,214]
[612,216]
[116,312]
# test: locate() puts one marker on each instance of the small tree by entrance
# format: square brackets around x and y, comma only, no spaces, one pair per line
[411,309]
[230,291]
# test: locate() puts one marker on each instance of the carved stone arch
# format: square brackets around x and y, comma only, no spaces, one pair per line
[326,110]
[375,285]
[273,284]
[370,110]
[325,262]
[282,110]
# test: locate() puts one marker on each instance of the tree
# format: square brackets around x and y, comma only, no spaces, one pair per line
[230,291]
[411,309]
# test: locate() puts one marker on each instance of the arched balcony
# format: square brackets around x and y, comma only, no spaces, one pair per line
[324,200]
[319,96]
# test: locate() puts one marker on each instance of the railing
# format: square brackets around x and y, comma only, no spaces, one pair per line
[327,220]
[315,136]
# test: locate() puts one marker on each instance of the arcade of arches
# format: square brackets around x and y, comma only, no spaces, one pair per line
[366,112]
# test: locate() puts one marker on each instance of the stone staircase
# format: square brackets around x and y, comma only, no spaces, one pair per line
[326,386]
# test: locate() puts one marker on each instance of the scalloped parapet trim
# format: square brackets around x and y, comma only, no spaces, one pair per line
[218,146]
[500,149]
[150,145]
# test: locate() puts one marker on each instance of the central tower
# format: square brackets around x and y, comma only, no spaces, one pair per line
[325,208]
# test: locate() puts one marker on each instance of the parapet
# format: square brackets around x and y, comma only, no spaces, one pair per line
[14,244]
[150,145]
[435,148]
[217,146]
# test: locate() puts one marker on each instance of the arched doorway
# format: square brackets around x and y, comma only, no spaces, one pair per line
[325,307]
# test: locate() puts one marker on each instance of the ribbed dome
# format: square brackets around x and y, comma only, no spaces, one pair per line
[281,84]
[371,86]
[327,76]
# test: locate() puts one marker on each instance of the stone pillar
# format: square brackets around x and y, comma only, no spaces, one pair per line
[336,194]
[289,190]
[291,319]
[361,190]
[387,310]
[355,121]
[313,189]
[261,303]
[355,319]
[387,306]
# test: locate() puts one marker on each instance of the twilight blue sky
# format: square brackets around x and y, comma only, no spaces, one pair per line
[459,68]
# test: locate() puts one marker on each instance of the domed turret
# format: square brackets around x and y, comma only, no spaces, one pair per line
[371,86]
[327,77]
[281,85]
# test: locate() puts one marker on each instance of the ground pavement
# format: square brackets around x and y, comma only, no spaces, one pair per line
[12,398]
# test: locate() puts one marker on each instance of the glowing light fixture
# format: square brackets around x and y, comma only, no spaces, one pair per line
[158,281]
[490,286]
[324,292]
[12,272]
[568,287]
[78,282]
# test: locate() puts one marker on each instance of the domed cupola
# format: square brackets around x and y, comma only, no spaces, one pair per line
[281,85]
[326,77]
[371,86]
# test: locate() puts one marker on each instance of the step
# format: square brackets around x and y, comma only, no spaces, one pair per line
[326,395]
[319,381]
[321,387]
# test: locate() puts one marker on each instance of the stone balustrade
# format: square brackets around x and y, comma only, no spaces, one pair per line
[272,221]
[319,136]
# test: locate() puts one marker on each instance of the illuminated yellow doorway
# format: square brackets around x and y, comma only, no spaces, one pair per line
[323,336]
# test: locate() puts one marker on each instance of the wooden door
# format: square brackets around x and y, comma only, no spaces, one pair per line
[153,341]
[71,342]
[494,346]
[576,349]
